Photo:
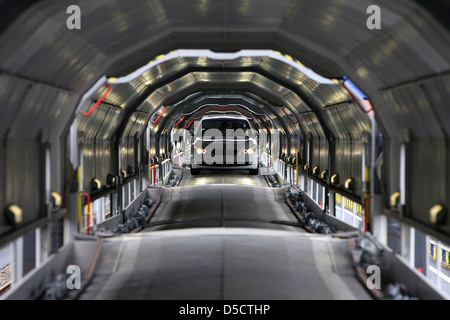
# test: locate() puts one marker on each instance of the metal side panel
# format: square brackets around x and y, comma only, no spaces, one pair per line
[12,93]
[24,180]
[425,189]
[395,269]
[33,285]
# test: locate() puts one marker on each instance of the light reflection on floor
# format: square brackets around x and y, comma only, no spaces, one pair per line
[240,177]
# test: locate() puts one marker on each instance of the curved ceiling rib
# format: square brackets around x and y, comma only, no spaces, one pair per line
[194,106]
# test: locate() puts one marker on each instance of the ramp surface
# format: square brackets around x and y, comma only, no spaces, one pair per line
[224,263]
[224,205]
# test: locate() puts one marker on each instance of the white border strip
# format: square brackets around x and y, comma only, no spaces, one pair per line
[185,53]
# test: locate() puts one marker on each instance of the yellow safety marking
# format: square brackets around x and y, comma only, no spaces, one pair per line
[348,203]
[79,198]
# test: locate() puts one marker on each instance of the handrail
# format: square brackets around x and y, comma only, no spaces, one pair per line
[5,287]
[182,117]
[154,172]
[155,121]
[288,115]
[98,101]
[189,123]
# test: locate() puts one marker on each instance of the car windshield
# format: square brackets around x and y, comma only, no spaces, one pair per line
[224,124]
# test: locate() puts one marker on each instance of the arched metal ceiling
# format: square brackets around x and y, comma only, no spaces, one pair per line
[263,68]
[196,105]
[298,101]
[117,37]
[403,68]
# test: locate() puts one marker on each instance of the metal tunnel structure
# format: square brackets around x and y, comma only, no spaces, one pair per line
[92,112]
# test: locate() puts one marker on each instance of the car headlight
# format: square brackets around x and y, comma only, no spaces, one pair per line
[249,150]
[200,150]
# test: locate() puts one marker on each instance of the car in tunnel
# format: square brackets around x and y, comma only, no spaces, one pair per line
[224,141]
